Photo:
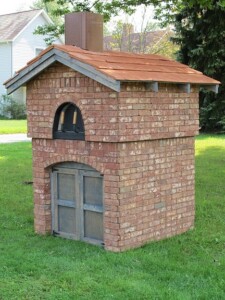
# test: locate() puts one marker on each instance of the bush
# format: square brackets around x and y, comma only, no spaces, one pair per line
[212,111]
[12,109]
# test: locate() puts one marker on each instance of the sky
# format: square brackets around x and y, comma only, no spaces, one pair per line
[142,15]
[10,6]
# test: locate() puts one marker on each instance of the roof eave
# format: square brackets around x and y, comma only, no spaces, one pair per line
[185,87]
[211,87]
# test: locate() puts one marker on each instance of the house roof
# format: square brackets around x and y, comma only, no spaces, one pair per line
[11,25]
[112,68]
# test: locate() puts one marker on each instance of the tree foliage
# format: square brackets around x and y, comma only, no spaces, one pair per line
[58,8]
[200,32]
[50,31]
[50,8]
[165,10]
[150,39]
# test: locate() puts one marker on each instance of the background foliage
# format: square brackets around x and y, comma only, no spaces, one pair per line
[11,109]
[200,32]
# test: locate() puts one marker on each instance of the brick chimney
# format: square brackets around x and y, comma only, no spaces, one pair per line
[84,30]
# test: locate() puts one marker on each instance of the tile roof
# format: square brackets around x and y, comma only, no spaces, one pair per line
[139,67]
[12,24]
[110,68]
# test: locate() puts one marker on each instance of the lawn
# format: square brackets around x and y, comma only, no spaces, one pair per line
[189,266]
[13,126]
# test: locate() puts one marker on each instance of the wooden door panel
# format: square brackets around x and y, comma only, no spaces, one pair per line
[65,193]
[66,219]
[92,190]
[93,225]
[66,186]
[92,206]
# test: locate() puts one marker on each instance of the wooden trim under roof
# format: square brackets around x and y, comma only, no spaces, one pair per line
[112,68]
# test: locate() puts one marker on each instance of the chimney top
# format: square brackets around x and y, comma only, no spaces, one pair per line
[84,30]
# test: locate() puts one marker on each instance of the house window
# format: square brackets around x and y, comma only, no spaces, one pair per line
[68,123]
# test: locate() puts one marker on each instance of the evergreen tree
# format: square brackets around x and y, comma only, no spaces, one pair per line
[200,32]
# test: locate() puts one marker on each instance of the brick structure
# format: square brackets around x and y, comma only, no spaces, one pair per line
[141,141]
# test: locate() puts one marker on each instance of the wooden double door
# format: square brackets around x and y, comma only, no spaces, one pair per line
[77,202]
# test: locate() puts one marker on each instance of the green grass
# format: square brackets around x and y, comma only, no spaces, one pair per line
[13,126]
[189,266]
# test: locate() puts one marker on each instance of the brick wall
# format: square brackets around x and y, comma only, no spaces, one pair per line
[148,186]
[156,190]
[46,153]
[134,114]
[140,140]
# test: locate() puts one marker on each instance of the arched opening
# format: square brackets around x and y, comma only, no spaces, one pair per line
[68,123]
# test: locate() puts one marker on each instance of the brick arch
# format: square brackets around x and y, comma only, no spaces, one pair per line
[69,98]
[48,164]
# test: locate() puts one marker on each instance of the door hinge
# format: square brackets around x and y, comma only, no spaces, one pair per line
[55,233]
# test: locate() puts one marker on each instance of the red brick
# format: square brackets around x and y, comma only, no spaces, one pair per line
[142,142]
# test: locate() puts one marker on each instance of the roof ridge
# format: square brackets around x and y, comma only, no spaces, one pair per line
[110,53]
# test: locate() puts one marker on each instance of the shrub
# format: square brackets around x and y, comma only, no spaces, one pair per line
[12,109]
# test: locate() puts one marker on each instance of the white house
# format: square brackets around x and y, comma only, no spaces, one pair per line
[18,44]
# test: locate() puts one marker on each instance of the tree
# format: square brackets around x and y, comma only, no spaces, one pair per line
[52,31]
[150,39]
[200,32]
[50,8]
[108,8]
[124,37]
[58,8]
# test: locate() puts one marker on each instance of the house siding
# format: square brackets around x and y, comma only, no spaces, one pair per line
[24,50]
[25,44]
[6,64]
[15,55]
